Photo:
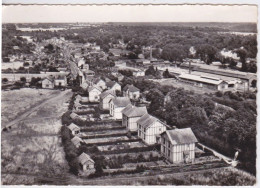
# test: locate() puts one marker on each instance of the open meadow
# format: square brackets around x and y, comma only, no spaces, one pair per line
[31,147]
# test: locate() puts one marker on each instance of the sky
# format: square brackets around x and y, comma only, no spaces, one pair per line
[128,13]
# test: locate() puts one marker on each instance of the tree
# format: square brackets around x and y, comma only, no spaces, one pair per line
[150,71]
[4,80]
[23,79]
[242,53]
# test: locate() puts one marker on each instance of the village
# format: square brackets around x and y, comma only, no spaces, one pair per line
[114,123]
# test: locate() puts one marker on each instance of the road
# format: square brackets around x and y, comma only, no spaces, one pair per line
[32,110]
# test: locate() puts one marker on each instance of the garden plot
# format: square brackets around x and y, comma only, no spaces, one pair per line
[109,139]
[106,132]
[121,146]
[145,154]
[146,164]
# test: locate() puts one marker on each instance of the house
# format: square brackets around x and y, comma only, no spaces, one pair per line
[100,83]
[86,163]
[112,85]
[48,83]
[60,81]
[74,116]
[74,129]
[105,97]
[131,92]
[130,116]
[149,128]
[178,145]
[77,141]
[204,81]
[93,93]
[116,105]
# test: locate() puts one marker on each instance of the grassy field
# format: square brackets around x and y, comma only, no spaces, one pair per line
[16,102]
[33,146]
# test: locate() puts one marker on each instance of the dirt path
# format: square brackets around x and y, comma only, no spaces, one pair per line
[27,113]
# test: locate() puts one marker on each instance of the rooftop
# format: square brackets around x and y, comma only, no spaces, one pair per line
[133,111]
[131,88]
[121,101]
[147,120]
[73,127]
[204,79]
[106,93]
[83,158]
[181,136]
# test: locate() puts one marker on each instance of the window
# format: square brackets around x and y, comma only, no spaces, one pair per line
[164,140]
[169,153]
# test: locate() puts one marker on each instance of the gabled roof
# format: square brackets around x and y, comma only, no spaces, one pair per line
[131,88]
[50,78]
[76,140]
[181,136]
[83,158]
[133,111]
[204,79]
[73,115]
[146,120]
[94,87]
[106,93]
[121,101]
[73,127]
[110,84]
[98,80]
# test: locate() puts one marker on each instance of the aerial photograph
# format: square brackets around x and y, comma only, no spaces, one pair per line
[129,95]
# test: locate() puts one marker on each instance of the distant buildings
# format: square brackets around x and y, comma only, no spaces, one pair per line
[48,83]
[203,81]
[131,92]
[178,145]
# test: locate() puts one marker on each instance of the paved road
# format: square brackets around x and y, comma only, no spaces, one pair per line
[30,111]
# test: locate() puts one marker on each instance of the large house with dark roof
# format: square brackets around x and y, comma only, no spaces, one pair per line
[131,92]
[105,97]
[150,128]
[178,145]
[130,116]
[117,105]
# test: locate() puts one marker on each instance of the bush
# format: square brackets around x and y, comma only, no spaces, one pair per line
[219,94]
[65,118]
[4,80]
[74,166]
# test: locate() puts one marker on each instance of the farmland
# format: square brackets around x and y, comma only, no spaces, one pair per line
[33,146]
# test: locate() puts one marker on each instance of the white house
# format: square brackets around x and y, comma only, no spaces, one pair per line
[178,145]
[117,104]
[86,163]
[105,97]
[131,92]
[100,83]
[74,129]
[48,83]
[112,85]
[77,141]
[130,116]
[93,93]
[60,81]
[149,128]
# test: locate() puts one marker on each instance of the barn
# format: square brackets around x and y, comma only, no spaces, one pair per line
[117,105]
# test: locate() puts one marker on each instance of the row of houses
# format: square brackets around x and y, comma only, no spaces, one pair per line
[51,81]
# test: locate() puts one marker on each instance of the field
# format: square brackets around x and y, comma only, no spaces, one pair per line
[16,102]
[33,147]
